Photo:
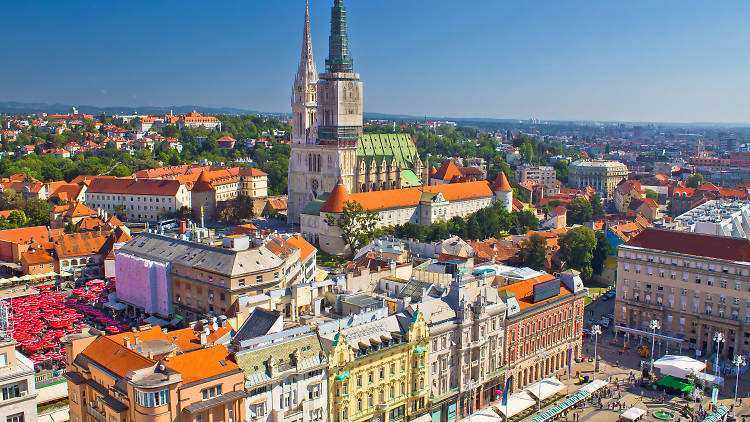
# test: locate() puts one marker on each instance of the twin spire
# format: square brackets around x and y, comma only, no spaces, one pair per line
[339,57]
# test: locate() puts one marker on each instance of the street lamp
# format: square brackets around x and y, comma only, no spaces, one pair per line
[539,358]
[654,325]
[596,330]
[739,362]
[471,385]
[718,338]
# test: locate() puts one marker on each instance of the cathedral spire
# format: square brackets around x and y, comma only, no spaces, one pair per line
[339,57]
[307,63]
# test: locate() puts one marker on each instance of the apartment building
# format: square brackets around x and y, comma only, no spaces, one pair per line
[152,375]
[178,278]
[467,337]
[208,188]
[137,200]
[540,175]
[17,384]
[285,372]
[377,367]
[544,321]
[694,284]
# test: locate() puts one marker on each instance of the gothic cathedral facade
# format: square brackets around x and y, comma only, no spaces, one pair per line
[328,145]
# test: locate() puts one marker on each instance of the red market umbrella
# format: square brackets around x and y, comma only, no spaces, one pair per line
[112,329]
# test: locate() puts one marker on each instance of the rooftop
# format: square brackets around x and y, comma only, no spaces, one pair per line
[693,244]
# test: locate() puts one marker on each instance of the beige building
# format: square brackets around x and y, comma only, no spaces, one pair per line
[602,175]
[19,392]
[694,284]
[540,175]
[151,375]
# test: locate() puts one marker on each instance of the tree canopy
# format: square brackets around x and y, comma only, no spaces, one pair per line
[577,250]
[357,225]
[533,253]
[579,211]
[694,181]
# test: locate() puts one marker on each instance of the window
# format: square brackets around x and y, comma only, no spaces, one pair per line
[3,359]
[359,380]
[152,398]
[257,411]
[16,417]
[11,391]
[211,392]
[314,391]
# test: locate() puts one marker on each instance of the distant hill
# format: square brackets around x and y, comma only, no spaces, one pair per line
[15,107]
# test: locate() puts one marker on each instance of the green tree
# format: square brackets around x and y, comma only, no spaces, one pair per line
[597,208]
[695,180]
[650,193]
[600,252]
[579,211]
[561,170]
[526,221]
[577,250]
[16,218]
[527,152]
[356,224]
[533,252]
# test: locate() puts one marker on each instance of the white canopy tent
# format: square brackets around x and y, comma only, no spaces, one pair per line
[632,414]
[484,415]
[517,403]
[683,366]
[549,387]
[592,387]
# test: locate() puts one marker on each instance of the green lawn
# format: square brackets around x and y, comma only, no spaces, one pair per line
[329,261]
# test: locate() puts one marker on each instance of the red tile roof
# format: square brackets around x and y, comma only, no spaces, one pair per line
[385,199]
[524,291]
[25,235]
[447,171]
[134,187]
[501,183]
[695,244]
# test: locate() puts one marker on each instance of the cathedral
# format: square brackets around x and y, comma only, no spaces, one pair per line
[328,145]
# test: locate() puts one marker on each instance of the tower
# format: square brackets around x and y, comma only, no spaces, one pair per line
[304,102]
[503,191]
[327,152]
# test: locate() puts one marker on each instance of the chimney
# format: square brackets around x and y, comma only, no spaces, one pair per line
[126,342]
[137,340]
[150,354]
[204,338]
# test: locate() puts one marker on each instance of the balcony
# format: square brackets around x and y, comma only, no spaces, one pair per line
[95,413]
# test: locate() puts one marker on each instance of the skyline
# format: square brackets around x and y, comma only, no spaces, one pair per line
[669,67]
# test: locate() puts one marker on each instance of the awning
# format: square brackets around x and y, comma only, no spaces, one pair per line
[675,384]
[59,414]
[582,394]
[718,415]
[517,403]
[156,321]
[117,306]
[709,378]
[484,415]
[428,418]
[632,414]
[65,274]
[548,386]
[52,392]
[27,277]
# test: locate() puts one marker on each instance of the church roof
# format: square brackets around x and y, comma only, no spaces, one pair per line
[336,200]
[501,183]
[400,146]
[398,198]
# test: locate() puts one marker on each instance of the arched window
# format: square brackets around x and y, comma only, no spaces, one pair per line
[345,414]
[369,400]
[359,405]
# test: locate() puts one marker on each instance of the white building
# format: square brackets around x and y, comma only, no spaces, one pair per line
[423,205]
[285,373]
[137,200]
[718,217]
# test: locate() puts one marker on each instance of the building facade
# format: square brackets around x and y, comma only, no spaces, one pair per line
[540,175]
[328,145]
[540,334]
[694,284]
[150,375]
[378,369]
[423,205]
[137,200]
[17,384]
[285,377]
[602,175]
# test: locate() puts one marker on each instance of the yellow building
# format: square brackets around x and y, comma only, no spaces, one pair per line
[377,370]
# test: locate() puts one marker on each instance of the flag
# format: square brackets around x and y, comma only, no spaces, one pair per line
[507,388]
[570,359]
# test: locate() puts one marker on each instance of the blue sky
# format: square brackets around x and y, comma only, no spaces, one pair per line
[678,61]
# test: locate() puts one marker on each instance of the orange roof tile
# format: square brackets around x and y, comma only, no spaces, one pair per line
[397,198]
[25,235]
[115,357]
[186,339]
[300,243]
[524,291]
[135,187]
[447,171]
[82,244]
[501,183]
[210,364]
